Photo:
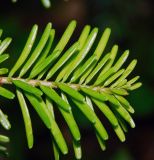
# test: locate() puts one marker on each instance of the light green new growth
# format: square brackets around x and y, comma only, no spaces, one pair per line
[67,77]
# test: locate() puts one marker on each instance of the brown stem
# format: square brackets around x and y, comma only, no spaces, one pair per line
[8,80]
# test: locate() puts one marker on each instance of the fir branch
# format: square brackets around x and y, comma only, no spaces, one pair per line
[57,78]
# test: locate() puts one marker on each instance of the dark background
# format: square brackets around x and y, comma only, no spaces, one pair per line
[132,24]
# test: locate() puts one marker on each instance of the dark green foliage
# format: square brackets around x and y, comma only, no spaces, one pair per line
[45,3]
